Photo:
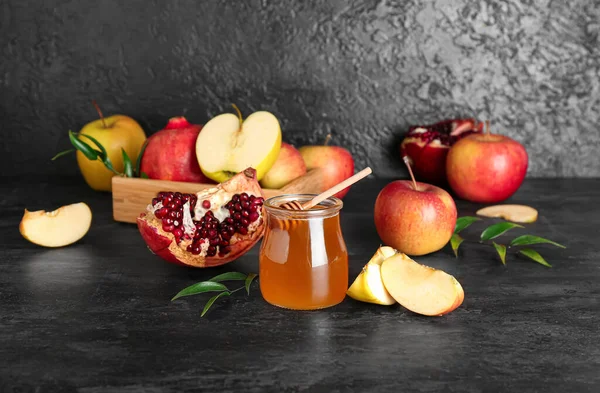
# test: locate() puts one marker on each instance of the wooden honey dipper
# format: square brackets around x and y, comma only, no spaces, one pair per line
[295,205]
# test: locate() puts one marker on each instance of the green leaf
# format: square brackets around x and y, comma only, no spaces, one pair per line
[501,250]
[103,154]
[62,153]
[527,240]
[455,242]
[83,147]
[210,302]
[127,166]
[201,287]
[534,255]
[249,279]
[138,161]
[229,276]
[464,222]
[144,175]
[493,231]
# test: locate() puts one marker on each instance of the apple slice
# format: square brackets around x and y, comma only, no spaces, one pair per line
[57,228]
[419,288]
[368,286]
[515,213]
[228,144]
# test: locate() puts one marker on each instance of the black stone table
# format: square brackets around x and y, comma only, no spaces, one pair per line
[97,316]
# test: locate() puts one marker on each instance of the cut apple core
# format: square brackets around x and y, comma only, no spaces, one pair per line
[224,148]
[57,228]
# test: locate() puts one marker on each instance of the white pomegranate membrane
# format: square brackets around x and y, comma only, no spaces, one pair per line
[207,223]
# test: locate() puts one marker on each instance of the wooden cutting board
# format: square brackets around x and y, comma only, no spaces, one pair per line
[131,196]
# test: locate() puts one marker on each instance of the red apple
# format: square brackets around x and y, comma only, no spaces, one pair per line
[486,168]
[288,166]
[427,146]
[413,217]
[171,153]
[336,163]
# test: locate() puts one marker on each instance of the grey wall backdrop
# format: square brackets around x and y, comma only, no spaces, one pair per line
[362,70]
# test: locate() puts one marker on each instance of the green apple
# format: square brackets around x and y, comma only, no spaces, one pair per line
[228,144]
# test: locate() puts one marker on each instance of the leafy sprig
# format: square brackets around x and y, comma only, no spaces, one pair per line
[215,285]
[99,153]
[496,230]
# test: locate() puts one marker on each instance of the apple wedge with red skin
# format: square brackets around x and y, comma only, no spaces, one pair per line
[213,227]
[427,146]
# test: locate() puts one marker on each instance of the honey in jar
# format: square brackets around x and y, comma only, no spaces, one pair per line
[303,257]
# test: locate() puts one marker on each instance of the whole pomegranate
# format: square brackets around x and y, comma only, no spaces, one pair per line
[427,147]
[171,153]
[209,228]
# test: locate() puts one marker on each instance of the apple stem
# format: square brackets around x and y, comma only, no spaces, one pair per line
[239,113]
[487,127]
[412,176]
[327,139]
[99,113]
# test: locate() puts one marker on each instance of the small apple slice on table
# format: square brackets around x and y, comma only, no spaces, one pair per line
[228,144]
[515,213]
[419,288]
[368,286]
[57,228]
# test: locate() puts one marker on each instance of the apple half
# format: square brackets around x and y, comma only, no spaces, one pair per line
[368,286]
[57,228]
[419,288]
[228,144]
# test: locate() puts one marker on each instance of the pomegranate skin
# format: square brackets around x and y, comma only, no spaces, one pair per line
[171,153]
[427,147]
[164,244]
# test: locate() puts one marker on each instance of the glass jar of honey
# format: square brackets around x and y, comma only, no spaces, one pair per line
[303,257]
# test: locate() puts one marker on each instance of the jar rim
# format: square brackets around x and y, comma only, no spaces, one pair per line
[328,207]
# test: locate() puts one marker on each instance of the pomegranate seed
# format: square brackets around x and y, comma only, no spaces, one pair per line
[154,201]
[161,213]
[257,202]
[253,216]
[252,198]
[229,220]
[225,250]
[237,216]
[206,204]
[245,214]
[223,243]
[167,227]
[237,207]
[245,222]
[245,205]
[167,221]
[173,206]
[178,233]
[212,233]
[203,233]
[236,198]
[196,249]
[173,214]
[243,196]
[176,223]
[177,195]
[243,231]
[225,235]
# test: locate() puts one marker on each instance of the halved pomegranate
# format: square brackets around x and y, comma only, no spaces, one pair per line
[209,228]
[427,146]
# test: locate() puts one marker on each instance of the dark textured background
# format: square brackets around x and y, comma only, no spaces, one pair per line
[362,70]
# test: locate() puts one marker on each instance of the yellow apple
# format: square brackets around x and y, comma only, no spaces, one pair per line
[419,288]
[113,132]
[57,228]
[228,144]
[368,286]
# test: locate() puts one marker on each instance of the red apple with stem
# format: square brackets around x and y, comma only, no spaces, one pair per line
[486,168]
[414,218]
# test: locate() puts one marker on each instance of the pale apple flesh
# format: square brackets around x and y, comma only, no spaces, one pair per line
[288,166]
[368,286]
[225,148]
[61,227]
[419,288]
[515,213]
